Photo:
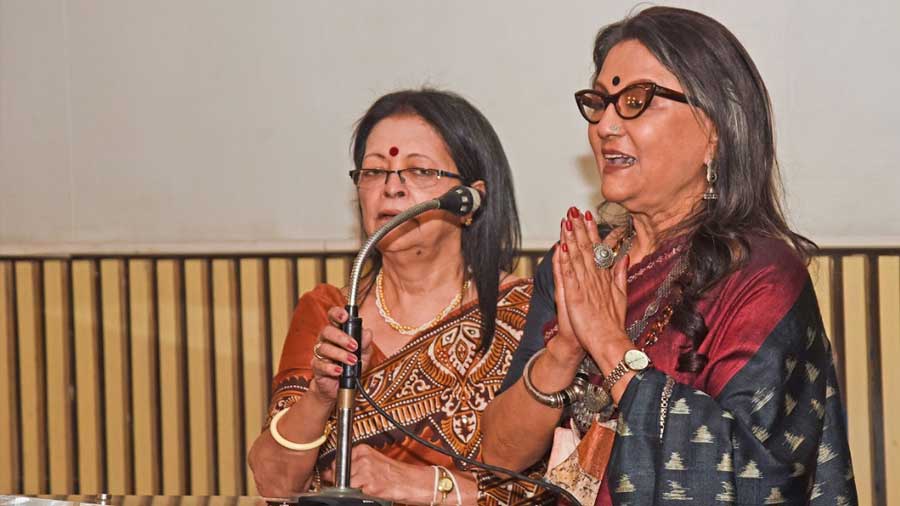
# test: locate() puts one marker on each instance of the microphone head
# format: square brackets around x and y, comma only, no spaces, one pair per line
[460,200]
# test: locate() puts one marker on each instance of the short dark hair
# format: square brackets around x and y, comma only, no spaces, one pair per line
[720,79]
[491,242]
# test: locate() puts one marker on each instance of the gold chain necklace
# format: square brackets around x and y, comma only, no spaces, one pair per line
[409,330]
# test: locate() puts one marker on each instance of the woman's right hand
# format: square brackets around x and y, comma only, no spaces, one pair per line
[332,349]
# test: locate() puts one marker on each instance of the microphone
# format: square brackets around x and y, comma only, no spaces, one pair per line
[460,200]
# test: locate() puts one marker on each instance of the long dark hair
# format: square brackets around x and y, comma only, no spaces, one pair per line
[490,243]
[720,79]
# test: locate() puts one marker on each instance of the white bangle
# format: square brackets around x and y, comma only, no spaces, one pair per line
[290,445]
[437,476]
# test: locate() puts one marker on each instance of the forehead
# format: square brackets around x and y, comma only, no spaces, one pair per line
[408,133]
[631,61]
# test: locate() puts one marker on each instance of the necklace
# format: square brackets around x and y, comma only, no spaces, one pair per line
[409,330]
[595,403]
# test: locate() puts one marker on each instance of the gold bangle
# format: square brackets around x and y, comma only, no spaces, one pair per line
[290,445]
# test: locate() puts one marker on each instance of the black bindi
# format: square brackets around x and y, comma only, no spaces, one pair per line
[616,80]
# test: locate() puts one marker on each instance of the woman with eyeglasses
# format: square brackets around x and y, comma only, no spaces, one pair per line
[441,309]
[680,356]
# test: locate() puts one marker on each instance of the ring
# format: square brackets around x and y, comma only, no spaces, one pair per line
[603,256]
[316,352]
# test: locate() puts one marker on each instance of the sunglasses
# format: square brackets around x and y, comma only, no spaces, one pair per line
[630,102]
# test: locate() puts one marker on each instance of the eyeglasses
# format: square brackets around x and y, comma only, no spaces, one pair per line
[414,177]
[630,102]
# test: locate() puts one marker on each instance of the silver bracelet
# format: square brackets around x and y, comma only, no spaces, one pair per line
[555,400]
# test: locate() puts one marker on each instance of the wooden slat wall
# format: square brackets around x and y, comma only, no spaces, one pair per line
[117,375]
[200,364]
[889,310]
[31,377]
[144,378]
[60,402]
[229,419]
[10,438]
[151,375]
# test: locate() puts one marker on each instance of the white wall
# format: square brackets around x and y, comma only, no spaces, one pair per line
[203,125]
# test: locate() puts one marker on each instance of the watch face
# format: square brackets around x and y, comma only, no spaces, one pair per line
[636,360]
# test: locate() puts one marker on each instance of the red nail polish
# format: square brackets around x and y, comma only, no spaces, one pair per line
[588,216]
[569,225]
[573,212]
[565,248]
[338,369]
[352,359]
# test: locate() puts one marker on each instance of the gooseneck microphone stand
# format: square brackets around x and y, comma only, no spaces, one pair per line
[461,200]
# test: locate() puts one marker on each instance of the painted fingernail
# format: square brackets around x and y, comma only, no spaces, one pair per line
[352,359]
[588,216]
[565,248]
[573,212]
[569,225]
[352,345]
[338,369]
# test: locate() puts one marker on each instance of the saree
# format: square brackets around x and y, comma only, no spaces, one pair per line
[437,385]
[762,423]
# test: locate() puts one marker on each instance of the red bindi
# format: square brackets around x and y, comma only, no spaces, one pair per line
[393,151]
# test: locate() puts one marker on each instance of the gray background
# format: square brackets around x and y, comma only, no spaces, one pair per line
[224,125]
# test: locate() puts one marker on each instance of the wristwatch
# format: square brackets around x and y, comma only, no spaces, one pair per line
[635,360]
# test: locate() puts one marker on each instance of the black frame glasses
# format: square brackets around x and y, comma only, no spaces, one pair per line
[436,173]
[598,101]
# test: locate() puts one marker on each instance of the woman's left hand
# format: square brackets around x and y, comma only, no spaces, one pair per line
[596,298]
[381,476]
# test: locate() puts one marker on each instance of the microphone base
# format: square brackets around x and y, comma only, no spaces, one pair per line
[331,496]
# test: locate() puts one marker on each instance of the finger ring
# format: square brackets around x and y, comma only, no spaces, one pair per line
[316,352]
[603,256]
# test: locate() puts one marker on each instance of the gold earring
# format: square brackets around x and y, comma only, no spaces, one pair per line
[468,221]
[711,177]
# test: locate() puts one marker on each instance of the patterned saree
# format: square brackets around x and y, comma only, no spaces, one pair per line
[437,385]
[762,423]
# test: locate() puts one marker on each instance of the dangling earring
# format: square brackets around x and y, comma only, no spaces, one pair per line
[468,221]
[711,177]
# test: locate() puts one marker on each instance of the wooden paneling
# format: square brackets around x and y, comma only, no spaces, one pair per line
[200,378]
[10,476]
[87,377]
[254,334]
[31,377]
[172,378]
[60,400]
[889,311]
[117,375]
[152,376]
[821,274]
[309,274]
[282,299]
[337,271]
[229,418]
[144,378]
[857,360]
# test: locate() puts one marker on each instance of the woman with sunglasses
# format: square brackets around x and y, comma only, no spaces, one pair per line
[441,310]
[683,351]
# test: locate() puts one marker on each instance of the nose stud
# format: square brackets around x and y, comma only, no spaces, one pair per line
[614,128]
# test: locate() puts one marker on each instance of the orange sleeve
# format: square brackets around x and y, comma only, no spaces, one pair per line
[294,369]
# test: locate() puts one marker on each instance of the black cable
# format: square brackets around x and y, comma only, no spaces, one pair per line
[456,457]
